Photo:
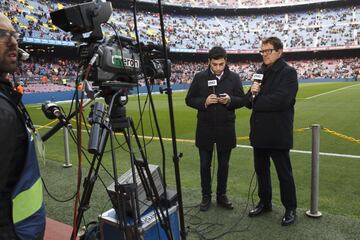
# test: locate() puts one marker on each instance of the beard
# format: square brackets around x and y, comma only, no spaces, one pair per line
[9,68]
[7,65]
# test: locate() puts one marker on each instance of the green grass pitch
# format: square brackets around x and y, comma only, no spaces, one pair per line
[333,105]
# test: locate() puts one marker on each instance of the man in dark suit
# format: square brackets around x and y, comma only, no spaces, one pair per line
[215,93]
[271,135]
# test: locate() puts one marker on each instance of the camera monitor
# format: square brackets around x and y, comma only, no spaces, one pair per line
[82,18]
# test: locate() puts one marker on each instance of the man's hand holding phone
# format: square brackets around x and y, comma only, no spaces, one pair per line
[224,98]
[211,99]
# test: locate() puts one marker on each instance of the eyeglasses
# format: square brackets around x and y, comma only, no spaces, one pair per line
[6,35]
[267,51]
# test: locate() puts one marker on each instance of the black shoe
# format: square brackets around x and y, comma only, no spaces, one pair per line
[205,203]
[289,217]
[223,201]
[260,209]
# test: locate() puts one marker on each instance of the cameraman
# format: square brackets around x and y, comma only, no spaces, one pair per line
[215,93]
[22,212]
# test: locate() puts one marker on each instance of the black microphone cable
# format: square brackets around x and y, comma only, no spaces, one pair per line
[201,229]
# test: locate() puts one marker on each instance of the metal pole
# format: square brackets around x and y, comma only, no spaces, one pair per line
[67,163]
[176,155]
[313,212]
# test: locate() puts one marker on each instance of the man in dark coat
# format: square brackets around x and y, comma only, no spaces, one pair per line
[17,220]
[13,138]
[215,93]
[271,135]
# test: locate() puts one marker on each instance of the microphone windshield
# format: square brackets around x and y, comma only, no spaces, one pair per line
[23,55]
[257,77]
[51,110]
[212,83]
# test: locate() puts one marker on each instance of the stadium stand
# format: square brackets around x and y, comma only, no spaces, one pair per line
[42,77]
[232,3]
[317,28]
[346,68]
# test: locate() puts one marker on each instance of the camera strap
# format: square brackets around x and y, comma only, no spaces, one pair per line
[25,117]
[21,111]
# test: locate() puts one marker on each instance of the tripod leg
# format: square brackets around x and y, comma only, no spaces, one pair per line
[136,211]
[89,183]
[121,195]
[149,181]
[120,211]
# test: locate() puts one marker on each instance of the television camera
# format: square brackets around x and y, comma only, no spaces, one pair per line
[117,61]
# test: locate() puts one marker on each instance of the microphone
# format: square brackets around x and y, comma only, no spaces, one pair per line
[60,124]
[96,118]
[213,84]
[257,77]
[52,111]
[22,54]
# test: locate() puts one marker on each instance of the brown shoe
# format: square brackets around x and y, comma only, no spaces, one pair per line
[205,203]
[223,201]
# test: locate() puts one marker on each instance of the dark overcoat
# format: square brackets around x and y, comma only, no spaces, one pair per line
[272,117]
[215,123]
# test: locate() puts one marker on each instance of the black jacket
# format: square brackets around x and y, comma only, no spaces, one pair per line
[13,140]
[216,123]
[13,150]
[272,117]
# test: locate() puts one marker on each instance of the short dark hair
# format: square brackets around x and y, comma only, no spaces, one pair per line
[276,42]
[217,53]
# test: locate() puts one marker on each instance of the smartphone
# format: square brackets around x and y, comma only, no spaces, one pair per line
[222,95]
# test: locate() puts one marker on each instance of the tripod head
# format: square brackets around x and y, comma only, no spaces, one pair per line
[112,117]
[117,98]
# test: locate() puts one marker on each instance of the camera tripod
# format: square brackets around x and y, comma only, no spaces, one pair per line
[105,124]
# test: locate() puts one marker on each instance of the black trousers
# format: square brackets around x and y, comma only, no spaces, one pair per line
[283,167]
[222,172]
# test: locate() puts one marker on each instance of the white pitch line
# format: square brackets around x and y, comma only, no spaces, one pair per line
[331,91]
[328,154]
[245,146]
[309,152]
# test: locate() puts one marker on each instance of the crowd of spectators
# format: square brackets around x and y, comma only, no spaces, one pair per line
[329,68]
[48,76]
[310,29]
[51,69]
[45,75]
[232,3]
[346,68]
[32,18]
[321,27]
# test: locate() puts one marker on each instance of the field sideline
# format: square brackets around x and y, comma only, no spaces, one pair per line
[333,105]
